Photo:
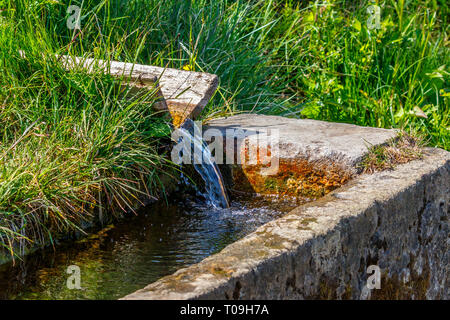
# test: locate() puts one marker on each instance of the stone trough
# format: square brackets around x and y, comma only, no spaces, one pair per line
[391,224]
[394,223]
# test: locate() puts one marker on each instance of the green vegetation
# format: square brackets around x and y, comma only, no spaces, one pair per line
[72,146]
[71,143]
[396,76]
[401,149]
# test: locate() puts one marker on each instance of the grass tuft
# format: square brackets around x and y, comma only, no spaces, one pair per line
[401,149]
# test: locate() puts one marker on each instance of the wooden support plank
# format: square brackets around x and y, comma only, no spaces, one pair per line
[185,93]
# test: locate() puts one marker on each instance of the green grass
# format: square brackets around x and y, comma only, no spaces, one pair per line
[401,149]
[72,146]
[396,76]
[71,143]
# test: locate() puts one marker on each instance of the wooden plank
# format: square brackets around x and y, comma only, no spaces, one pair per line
[185,93]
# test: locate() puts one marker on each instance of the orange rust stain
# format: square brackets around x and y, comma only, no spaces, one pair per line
[295,177]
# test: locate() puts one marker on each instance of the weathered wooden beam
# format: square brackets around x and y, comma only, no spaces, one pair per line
[185,93]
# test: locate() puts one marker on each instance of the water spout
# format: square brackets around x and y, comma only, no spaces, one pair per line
[204,164]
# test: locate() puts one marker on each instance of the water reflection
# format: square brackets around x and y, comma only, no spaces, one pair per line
[121,259]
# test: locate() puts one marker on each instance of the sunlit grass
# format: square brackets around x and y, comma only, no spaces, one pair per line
[71,141]
[392,76]
[75,147]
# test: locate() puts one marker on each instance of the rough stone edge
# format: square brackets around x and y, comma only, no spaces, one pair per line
[270,263]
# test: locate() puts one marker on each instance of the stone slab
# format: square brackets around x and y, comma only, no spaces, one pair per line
[318,140]
[308,158]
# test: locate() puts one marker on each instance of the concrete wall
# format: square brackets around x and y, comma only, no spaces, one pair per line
[397,220]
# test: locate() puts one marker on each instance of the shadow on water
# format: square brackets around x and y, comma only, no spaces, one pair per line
[138,251]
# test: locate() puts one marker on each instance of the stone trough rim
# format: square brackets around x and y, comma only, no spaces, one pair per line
[219,272]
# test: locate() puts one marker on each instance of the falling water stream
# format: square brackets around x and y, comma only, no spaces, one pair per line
[204,164]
